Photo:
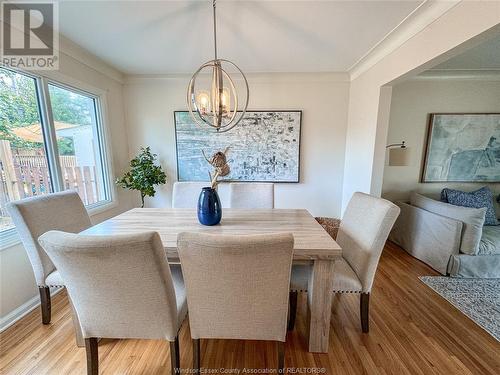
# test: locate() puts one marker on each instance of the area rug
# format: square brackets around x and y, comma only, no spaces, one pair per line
[479,299]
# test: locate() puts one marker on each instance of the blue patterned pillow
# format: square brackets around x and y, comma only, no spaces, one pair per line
[475,199]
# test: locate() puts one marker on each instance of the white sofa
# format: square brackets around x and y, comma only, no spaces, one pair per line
[450,239]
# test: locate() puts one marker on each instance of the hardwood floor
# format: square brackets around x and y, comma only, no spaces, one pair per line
[412,331]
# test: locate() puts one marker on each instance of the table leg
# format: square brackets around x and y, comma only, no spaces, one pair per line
[320,304]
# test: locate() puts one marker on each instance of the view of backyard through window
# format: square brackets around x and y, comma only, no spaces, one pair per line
[77,143]
[25,167]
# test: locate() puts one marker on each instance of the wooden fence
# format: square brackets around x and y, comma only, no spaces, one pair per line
[25,173]
[31,181]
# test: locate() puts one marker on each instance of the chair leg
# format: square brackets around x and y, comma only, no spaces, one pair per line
[45,303]
[292,310]
[175,355]
[196,355]
[92,356]
[364,304]
[280,346]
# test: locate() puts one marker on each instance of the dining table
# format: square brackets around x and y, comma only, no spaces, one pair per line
[312,245]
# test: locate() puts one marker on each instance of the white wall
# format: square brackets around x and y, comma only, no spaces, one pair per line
[367,124]
[323,98]
[17,284]
[412,101]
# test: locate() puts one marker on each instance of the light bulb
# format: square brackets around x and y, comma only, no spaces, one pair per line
[225,100]
[203,99]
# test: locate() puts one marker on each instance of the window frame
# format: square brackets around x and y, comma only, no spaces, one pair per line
[9,237]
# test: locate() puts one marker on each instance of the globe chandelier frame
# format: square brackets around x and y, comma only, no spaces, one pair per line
[214,109]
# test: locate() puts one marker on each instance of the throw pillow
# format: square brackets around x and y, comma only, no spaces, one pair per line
[474,199]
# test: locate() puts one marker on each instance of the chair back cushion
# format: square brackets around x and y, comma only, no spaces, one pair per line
[186,194]
[120,286]
[363,232]
[237,286]
[34,216]
[251,195]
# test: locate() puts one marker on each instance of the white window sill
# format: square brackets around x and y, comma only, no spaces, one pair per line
[101,207]
[10,238]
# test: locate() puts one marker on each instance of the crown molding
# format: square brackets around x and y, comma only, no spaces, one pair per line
[252,77]
[424,15]
[459,74]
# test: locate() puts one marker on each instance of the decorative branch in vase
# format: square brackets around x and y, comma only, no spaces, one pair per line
[209,206]
[221,168]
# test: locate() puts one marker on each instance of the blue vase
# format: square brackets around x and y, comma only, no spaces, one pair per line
[209,207]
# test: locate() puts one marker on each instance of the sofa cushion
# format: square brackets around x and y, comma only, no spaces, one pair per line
[426,236]
[474,199]
[473,219]
[490,241]
[480,266]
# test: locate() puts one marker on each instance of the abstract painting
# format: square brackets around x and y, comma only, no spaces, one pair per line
[463,148]
[264,146]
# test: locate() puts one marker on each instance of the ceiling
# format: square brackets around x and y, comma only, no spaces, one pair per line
[166,37]
[485,56]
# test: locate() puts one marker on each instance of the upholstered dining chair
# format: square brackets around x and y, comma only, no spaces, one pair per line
[362,235]
[251,195]
[35,216]
[121,287]
[185,194]
[237,287]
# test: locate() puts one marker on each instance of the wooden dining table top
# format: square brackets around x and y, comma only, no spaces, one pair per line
[311,240]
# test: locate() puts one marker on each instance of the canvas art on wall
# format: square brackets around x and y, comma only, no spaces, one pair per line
[463,148]
[264,146]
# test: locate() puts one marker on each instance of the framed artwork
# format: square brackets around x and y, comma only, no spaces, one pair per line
[264,147]
[462,147]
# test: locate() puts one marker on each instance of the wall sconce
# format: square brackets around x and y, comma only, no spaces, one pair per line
[398,154]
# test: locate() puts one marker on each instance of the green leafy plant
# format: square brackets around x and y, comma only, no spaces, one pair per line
[144,174]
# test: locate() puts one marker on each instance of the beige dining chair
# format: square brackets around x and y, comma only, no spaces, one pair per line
[362,235]
[33,217]
[237,287]
[251,195]
[121,287]
[186,194]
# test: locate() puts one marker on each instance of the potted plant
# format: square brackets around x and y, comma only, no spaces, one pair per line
[144,174]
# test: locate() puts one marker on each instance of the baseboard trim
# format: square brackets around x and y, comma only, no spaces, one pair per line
[23,310]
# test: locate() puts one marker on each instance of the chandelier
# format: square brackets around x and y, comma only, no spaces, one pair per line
[216,103]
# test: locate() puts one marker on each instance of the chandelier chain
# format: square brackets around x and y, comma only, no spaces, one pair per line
[215,28]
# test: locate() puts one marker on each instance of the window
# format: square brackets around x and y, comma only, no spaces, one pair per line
[51,139]
[79,149]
